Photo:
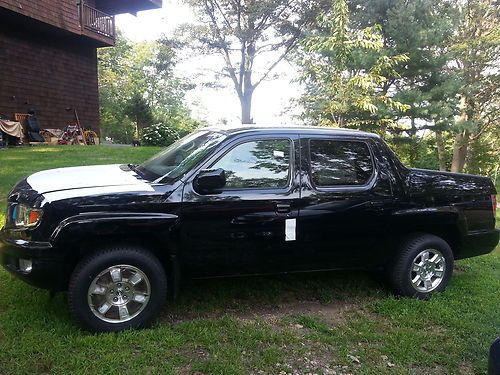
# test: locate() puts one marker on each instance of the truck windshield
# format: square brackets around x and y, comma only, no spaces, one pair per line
[175,161]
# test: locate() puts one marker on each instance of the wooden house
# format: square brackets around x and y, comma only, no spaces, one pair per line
[48,55]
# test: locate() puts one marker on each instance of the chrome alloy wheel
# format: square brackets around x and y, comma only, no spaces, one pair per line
[427,270]
[119,293]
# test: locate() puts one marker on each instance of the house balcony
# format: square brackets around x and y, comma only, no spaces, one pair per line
[97,25]
[97,17]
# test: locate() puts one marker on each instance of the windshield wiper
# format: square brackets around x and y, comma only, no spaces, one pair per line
[134,168]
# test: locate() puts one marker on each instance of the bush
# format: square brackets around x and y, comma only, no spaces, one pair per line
[159,135]
[119,128]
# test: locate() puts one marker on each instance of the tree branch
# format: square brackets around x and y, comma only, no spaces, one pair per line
[224,49]
[222,13]
[273,65]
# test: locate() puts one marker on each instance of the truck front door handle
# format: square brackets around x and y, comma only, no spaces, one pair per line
[283,208]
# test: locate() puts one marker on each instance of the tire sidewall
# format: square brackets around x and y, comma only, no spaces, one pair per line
[411,248]
[91,267]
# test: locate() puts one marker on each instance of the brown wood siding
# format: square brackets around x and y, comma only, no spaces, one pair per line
[59,13]
[49,75]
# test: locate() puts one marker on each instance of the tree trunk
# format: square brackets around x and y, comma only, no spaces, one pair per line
[246,72]
[460,148]
[440,150]
[246,108]
[413,130]
[413,154]
[461,144]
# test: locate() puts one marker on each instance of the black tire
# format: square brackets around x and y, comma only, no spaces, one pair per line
[141,262]
[401,272]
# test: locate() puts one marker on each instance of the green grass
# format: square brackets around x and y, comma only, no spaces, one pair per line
[316,323]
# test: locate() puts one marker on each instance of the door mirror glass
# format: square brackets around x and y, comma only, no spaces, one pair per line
[210,181]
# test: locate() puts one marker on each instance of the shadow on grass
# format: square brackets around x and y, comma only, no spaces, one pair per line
[249,296]
[278,294]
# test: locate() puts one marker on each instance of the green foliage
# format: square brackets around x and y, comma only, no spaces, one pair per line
[423,74]
[138,109]
[138,88]
[337,92]
[416,152]
[419,29]
[116,125]
[476,49]
[169,130]
[180,121]
[484,156]
[159,135]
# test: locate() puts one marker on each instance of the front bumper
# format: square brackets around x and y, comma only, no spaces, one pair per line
[49,264]
[479,243]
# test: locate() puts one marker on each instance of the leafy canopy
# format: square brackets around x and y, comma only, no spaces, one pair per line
[340,92]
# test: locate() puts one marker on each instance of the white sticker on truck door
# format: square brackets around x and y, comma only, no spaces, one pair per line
[290,225]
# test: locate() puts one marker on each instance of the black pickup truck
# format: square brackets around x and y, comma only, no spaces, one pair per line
[247,200]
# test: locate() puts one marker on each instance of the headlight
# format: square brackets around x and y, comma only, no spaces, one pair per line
[24,216]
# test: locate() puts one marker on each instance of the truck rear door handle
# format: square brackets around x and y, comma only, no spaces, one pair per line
[377,204]
[283,208]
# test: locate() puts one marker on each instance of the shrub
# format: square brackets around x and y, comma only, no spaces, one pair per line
[159,135]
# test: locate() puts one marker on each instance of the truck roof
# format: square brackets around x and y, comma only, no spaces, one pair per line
[304,129]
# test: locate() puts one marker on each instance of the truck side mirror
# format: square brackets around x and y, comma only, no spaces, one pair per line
[210,181]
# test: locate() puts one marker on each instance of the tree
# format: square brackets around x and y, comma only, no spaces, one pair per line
[139,111]
[248,32]
[477,50]
[114,86]
[451,79]
[341,89]
[421,29]
[449,87]
[138,88]
[427,85]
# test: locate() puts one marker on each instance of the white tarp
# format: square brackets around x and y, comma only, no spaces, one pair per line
[12,128]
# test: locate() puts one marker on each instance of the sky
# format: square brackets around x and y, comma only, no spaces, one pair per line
[271,102]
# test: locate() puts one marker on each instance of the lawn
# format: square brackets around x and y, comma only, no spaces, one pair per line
[329,323]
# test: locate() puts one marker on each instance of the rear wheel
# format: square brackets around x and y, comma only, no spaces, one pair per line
[423,266]
[117,289]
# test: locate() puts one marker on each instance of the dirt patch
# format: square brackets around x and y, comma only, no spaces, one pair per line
[466,369]
[326,294]
[333,313]
[460,268]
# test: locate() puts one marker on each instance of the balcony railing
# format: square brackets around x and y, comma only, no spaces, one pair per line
[98,22]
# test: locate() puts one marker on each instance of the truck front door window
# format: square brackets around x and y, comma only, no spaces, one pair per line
[257,164]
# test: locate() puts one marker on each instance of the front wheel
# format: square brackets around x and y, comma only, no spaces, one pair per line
[423,266]
[117,289]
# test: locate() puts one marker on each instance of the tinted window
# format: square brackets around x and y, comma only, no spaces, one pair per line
[177,159]
[340,162]
[258,164]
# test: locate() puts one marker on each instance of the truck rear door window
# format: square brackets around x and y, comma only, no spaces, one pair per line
[338,163]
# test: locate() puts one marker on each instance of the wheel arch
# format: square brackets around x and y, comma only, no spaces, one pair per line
[446,223]
[96,232]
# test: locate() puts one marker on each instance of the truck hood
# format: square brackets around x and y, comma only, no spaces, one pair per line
[98,176]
